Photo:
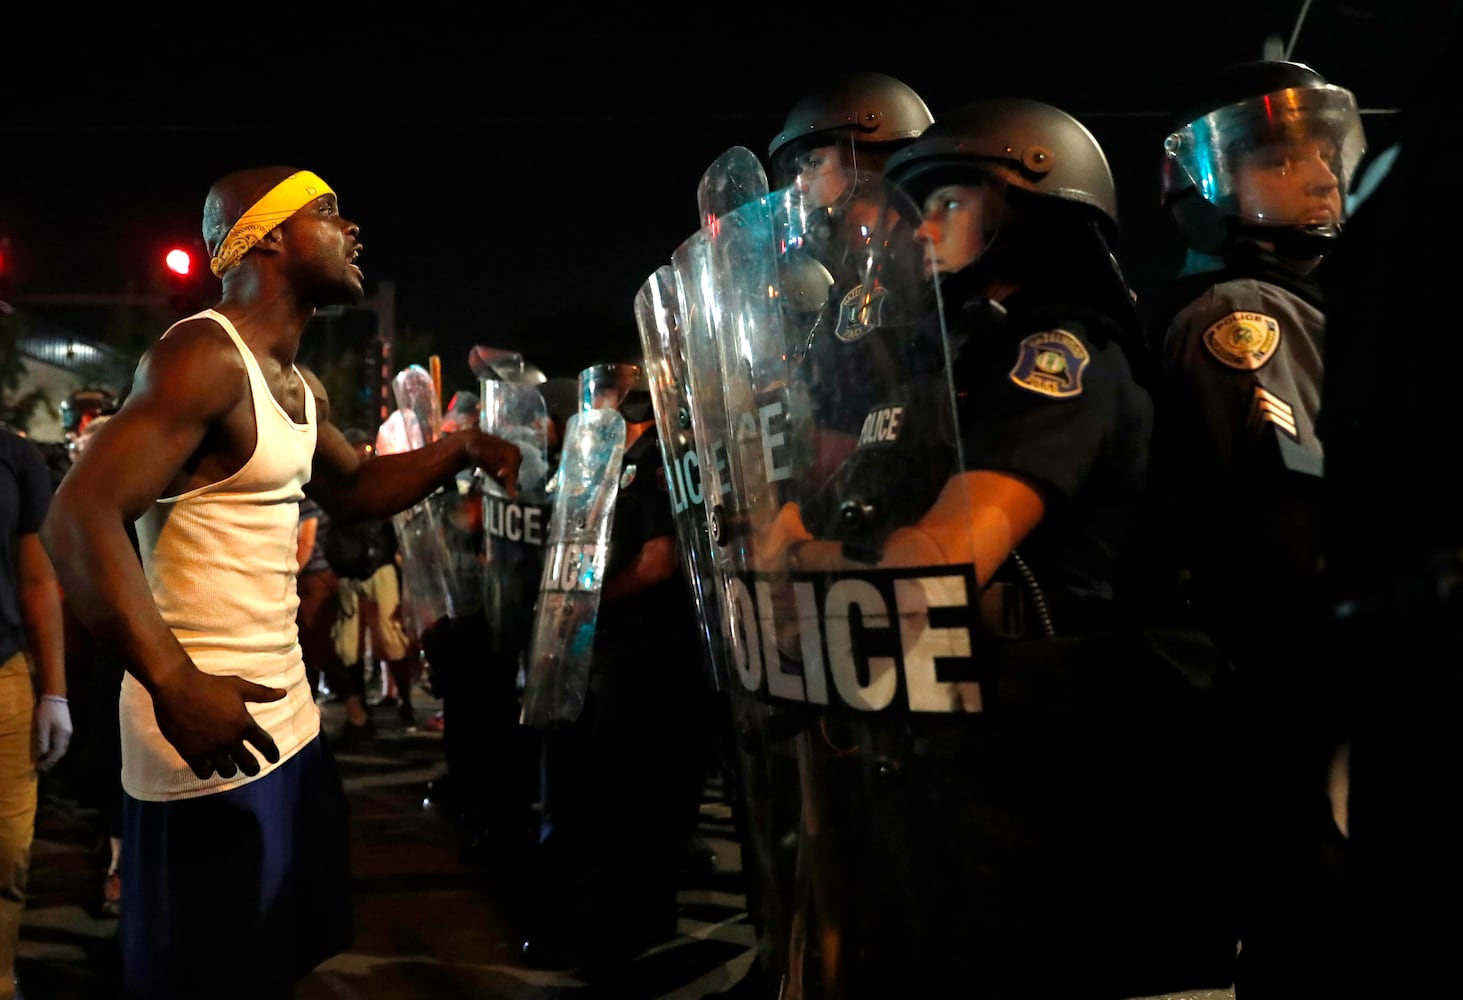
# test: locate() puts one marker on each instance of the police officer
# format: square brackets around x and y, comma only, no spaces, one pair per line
[1046,400]
[614,779]
[830,155]
[499,756]
[1256,168]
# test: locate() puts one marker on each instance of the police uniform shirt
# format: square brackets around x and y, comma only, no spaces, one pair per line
[1041,392]
[846,369]
[1243,361]
[1241,367]
[853,350]
[1049,395]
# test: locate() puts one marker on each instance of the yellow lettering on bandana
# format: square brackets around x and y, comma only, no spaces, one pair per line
[282,201]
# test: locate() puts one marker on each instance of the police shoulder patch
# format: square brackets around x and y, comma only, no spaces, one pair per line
[859,313]
[1051,363]
[1243,340]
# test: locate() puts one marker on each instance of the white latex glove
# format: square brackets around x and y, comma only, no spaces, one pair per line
[53,730]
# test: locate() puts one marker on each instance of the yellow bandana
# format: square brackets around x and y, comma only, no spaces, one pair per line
[283,200]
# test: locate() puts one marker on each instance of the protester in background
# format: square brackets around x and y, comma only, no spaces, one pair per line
[98,736]
[319,586]
[463,411]
[35,719]
[319,600]
[80,408]
[364,555]
[219,440]
[1257,163]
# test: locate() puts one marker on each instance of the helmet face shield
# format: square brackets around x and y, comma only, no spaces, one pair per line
[1286,158]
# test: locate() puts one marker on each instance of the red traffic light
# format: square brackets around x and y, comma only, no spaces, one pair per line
[179,261]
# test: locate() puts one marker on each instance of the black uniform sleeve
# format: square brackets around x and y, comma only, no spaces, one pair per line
[1044,406]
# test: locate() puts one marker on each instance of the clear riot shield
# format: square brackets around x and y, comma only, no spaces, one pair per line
[427,566]
[515,529]
[960,809]
[573,573]
[736,330]
[501,364]
[657,313]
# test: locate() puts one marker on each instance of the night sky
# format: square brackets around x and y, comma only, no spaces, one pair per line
[517,189]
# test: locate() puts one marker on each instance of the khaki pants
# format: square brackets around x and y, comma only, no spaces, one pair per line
[17,806]
[372,603]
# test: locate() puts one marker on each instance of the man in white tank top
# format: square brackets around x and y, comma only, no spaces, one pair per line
[235,823]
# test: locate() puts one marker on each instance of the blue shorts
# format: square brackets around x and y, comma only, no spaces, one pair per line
[237,894]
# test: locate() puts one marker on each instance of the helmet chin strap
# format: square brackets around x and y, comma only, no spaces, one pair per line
[1291,242]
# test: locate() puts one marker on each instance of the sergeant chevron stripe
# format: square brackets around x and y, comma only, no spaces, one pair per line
[1270,408]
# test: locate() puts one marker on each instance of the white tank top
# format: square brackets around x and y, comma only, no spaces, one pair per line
[221,564]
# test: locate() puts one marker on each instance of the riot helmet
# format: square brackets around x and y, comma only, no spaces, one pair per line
[1019,145]
[1015,191]
[1265,150]
[845,128]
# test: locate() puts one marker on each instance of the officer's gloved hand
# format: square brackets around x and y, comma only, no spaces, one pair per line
[53,730]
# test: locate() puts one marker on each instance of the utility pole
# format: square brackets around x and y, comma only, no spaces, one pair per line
[384,304]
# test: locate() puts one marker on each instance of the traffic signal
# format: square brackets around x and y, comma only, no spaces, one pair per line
[179,262]
[5,266]
[183,265]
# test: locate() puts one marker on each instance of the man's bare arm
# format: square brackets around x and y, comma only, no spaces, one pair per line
[351,489]
[181,386]
[185,390]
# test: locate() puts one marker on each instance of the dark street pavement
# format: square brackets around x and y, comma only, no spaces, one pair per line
[428,924]
[432,920]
